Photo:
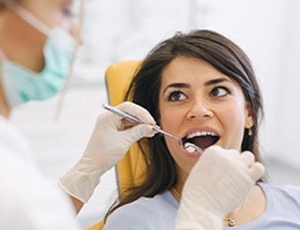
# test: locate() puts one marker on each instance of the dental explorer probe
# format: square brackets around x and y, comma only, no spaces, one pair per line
[190,147]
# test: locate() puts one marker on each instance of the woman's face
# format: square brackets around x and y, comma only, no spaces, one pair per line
[197,101]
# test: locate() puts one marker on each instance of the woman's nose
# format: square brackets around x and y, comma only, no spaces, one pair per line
[200,109]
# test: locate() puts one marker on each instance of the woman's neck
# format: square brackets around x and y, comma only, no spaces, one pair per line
[177,188]
[251,209]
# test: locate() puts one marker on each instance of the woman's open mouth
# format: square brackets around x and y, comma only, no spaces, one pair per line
[202,139]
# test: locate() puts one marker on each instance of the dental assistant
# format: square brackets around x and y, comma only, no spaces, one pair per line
[36,52]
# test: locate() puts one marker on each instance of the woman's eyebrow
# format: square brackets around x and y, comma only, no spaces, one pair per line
[185,85]
[177,85]
[216,81]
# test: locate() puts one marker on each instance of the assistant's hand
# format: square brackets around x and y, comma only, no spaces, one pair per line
[217,184]
[108,144]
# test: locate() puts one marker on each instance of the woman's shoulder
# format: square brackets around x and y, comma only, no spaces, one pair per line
[285,195]
[144,213]
[282,188]
[282,207]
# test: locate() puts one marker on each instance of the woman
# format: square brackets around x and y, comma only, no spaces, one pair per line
[200,87]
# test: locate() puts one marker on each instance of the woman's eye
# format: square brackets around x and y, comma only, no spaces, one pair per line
[219,91]
[176,96]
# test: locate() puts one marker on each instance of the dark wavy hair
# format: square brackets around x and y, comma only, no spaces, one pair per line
[213,48]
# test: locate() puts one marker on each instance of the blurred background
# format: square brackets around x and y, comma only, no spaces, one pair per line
[117,30]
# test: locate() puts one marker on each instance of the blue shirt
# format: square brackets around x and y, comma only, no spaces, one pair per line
[159,213]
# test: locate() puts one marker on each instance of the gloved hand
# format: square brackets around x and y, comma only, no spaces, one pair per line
[108,144]
[217,184]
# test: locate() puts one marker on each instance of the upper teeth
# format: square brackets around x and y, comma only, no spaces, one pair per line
[200,133]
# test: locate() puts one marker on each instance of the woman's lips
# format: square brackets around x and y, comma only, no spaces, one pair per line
[202,139]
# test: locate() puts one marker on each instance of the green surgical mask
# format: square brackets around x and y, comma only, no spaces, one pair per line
[22,85]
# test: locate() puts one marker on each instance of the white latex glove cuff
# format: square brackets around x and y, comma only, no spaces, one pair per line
[80,181]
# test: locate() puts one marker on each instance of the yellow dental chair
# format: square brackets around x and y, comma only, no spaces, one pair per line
[130,169]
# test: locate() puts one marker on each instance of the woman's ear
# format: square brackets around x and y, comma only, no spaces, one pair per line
[249,117]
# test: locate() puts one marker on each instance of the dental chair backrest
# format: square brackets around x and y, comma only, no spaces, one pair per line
[130,169]
[118,77]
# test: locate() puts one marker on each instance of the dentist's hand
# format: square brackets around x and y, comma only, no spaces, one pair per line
[217,184]
[109,142]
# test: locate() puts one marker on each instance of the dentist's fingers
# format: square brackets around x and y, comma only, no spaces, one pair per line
[257,171]
[137,132]
[137,111]
[248,158]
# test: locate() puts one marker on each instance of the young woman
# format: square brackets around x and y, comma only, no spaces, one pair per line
[200,87]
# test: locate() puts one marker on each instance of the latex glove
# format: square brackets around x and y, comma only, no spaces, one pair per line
[217,184]
[108,144]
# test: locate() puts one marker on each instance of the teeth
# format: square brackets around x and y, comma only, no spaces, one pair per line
[202,133]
